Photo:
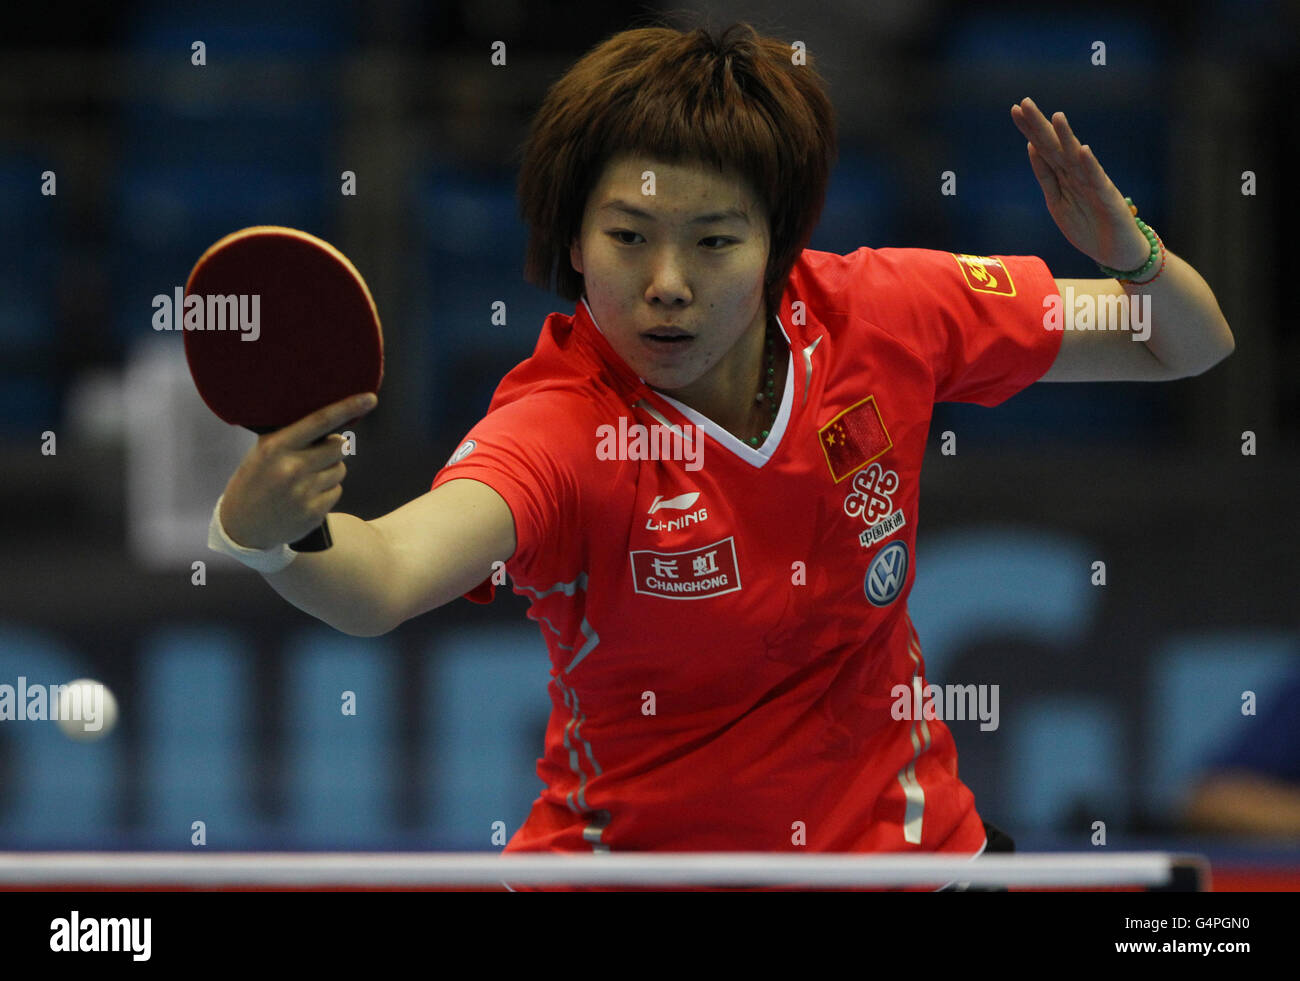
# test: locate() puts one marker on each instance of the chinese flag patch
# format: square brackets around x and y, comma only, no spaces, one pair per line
[985,274]
[854,438]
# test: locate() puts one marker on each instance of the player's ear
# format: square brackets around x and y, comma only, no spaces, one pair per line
[575,256]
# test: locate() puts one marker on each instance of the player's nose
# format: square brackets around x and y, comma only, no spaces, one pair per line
[669,283]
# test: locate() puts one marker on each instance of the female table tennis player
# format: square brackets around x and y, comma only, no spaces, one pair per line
[706,477]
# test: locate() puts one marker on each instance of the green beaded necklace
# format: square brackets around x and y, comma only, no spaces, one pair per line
[769,392]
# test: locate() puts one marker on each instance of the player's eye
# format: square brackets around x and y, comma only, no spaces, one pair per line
[722,241]
[620,236]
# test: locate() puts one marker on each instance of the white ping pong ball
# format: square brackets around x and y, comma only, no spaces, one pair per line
[87,713]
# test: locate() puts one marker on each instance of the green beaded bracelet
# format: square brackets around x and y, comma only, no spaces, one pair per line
[1142,270]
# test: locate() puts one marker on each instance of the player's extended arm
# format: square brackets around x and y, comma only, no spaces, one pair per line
[378,573]
[382,572]
[1186,333]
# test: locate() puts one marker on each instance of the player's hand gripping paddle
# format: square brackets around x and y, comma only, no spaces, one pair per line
[317,337]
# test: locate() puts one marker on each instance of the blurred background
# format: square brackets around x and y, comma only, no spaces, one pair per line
[1120,704]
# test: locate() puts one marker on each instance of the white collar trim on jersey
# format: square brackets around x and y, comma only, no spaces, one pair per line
[750,454]
[756,456]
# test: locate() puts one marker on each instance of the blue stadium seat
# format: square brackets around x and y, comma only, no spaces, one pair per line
[1032,583]
[57,793]
[30,404]
[165,217]
[993,58]
[487,706]
[1019,38]
[29,273]
[28,258]
[1103,414]
[341,774]
[1195,692]
[242,27]
[247,139]
[264,100]
[1066,753]
[198,732]
[861,208]
[998,207]
[471,245]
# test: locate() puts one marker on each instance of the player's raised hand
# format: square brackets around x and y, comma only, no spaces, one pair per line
[1086,205]
[288,482]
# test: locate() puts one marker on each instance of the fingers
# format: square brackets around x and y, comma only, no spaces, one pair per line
[323,455]
[291,479]
[315,495]
[1056,150]
[1046,177]
[1055,140]
[1096,175]
[1069,142]
[324,480]
[1034,125]
[306,475]
[309,429]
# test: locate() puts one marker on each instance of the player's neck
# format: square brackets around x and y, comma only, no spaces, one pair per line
[726,394]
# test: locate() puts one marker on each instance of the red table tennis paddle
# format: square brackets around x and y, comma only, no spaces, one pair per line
[289,327]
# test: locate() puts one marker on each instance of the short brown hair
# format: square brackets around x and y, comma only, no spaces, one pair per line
[736,100]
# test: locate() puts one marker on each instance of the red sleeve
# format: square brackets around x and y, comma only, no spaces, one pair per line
[976,320]
[520,450]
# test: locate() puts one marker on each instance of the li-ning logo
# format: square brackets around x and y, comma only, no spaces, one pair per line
[679,503]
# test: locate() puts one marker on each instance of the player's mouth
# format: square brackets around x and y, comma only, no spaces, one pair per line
[664,338]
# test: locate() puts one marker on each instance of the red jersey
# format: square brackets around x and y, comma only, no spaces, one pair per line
[724,639]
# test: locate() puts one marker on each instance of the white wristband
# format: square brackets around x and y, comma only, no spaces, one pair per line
[265,560]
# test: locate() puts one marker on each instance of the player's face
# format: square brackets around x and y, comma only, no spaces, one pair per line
[690,256]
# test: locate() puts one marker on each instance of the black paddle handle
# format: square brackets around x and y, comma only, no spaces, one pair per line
[314,541]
